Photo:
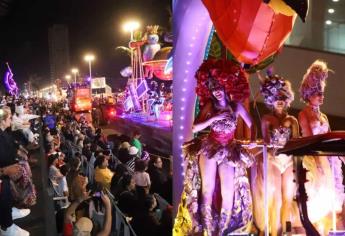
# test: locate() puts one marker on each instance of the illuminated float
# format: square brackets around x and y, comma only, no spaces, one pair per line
[148,62]
[253,32]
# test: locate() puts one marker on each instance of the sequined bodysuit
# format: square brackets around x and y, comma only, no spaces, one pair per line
[220,145]
[321,187]
[279,137]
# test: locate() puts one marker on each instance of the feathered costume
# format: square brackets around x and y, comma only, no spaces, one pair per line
[273,88]
[321,186]
[220,144]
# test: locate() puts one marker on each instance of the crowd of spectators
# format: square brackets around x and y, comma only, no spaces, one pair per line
[92,172]
[18,140]
[94,179]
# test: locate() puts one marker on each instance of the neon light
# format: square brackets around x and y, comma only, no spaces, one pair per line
[9,82]
[191,37]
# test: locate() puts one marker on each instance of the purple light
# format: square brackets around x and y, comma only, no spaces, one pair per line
[10,84]
[192,27]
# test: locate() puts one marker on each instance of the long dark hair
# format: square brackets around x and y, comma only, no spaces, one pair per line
[232,105]
[99,161]
[52,158]
[214,84]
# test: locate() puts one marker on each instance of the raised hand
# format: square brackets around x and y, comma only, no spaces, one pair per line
[12,170]
[221,116]
[105,200]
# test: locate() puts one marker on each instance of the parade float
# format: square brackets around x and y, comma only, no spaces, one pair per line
[251,34]
[148,93]
[147,98]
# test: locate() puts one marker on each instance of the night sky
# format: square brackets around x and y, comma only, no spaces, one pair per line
[94,26]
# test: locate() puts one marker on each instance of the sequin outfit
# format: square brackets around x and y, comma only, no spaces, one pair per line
[279,137]
[218,144]
[320,186]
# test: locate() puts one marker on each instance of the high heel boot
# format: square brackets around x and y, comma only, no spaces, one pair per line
[207,221]
[224,220]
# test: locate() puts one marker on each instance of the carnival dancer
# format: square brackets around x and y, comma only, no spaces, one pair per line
[216,197]
[156,99]
[277,128]
[323,188]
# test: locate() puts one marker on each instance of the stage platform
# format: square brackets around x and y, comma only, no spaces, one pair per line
[156,134]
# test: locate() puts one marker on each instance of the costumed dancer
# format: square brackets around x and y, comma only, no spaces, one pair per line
[216,197]
[277,128]
[322,184]
[156,99]
[158,103]
[153,94]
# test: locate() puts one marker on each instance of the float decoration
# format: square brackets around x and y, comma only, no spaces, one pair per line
[229,75]
[9,82]
[251,29]
[158,66]
[152,46]
[299,6]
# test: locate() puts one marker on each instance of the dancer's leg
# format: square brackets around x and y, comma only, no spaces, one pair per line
[208,170]
[257,189]
[274,198]
[226,175]
[288,192]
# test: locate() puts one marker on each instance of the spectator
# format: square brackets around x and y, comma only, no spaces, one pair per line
[50,149]
[125,145]
[19,124]
[157,175]
[120,170]
[96,116]
[63,187]
[136,142]
[74,172]
[78,187]
[83,225]
[133,156]
[128,199]
[141,177]
[166,222]
[91,164]
[123,153]
[8,168]
[145,221]
[103,174]
[87,149]
[100,139]
[50,120]
[54,174]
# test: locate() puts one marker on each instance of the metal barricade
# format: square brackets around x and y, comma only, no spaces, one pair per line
[122,227]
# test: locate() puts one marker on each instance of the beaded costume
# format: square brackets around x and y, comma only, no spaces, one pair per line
[219,144]
[279,137]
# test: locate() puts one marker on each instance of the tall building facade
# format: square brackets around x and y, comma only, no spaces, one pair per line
[58,51]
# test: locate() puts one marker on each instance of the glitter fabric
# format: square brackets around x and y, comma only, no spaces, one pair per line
[221,145]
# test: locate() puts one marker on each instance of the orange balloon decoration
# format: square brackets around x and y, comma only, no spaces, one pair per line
[157,67]
[250,29]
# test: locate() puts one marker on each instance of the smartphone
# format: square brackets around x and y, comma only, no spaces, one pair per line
[97,194]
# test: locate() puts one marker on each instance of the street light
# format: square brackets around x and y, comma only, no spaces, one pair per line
[75,71]
[89,58]
[130,26]
[67,77]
